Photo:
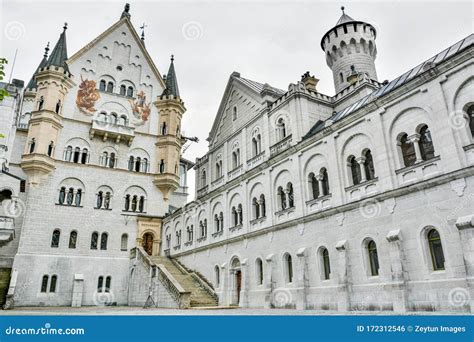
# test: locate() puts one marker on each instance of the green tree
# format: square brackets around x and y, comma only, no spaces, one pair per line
[3,92]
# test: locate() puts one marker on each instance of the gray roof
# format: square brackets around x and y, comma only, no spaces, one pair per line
[344,19]
[32,82]
[59,55]
[171,81]
[259,87]
[399,81]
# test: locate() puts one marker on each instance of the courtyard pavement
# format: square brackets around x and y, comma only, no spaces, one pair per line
[222,311]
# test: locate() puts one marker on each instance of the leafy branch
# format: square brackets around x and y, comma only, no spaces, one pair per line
[3,92]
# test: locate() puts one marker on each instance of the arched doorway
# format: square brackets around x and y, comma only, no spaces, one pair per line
[147,243]
[236,278]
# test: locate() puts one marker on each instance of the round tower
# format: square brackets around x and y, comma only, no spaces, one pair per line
[350,51]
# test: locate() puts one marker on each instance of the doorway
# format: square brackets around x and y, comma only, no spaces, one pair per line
[147,243]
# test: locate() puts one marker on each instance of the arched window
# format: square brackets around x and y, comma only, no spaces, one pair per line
[355,170]
[94,240]
[324,181]
[55,238]
[52,286]
[124,242]
[145,165]
[234,216]
[291,196]
[102,85]
[313,185]
[41,103]
[58,106]
[77,201]
[62,195]
[103,241]
[127,203]
[123,120]
[131,162]
[68,153]
[234,113]
[108,283]
[470,113]
[50,148]
[134,203]
[426,144]
[256,208]
[111,160]
[110,87]
[162,166]
[217,276]
[32,145]
[341,77]
[281,198]
[138,162]
[216,223]
[44,283]
[254,147]
[130,91]
[436,250]
[77,155]
[107,200]
[100,284]
[221,221]
[369,165]
[164,129]
[203,178]
[73,239]
[113,119]
[281,128]
[288,268]
[141,204]
[218,169]
[99,200]
[325,263]
[373,258]
[259,269]
[85,154]
[123,90]
[70,196]
[262,206]
[408,150]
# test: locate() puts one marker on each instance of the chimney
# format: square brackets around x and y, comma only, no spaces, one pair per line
[309,81]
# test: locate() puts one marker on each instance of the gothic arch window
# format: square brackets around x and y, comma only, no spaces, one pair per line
[436,250]
[326,265]
[58,106]
[281,198]
[408,150]
[255,151]
[44,283]
[110,87]
[426,144]
[72,239]
[103,241]
[369,165]
[291,196]
[124,242]
[130,91]
[50,148]
[313,186]
[323,173]
[32,145]
[288,265]
[102,85]
[373,258]
[62,195]
[281,128]
[354,168]
[55,238]
[94,240]
[259,271]
[123,90]
[217,276]
[52,285]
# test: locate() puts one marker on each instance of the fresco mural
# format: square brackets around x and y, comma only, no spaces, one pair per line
[87,96]
[140,108]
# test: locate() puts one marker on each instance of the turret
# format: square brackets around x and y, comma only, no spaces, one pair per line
[350,51]
[53,81]
[168,146]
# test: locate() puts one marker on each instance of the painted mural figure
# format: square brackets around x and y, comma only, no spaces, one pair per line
[87,96]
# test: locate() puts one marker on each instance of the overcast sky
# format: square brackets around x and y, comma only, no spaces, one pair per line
[271,42]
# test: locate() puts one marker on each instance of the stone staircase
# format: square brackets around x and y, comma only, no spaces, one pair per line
[201,293]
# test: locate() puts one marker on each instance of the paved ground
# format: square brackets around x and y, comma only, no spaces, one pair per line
[126,310]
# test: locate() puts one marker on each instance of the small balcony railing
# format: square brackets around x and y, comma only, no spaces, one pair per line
[113,131]
[281,145]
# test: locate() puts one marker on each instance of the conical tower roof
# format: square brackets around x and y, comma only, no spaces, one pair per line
[171,81]
[32,83]
[344,18]
[59,55]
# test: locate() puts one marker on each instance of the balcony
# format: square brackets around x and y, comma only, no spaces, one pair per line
[202,191]
[281,146]
[419,171]
[235,172]
[7,229]
[218,182]
[256,160]
[362,190]
[319,203]
[113,131]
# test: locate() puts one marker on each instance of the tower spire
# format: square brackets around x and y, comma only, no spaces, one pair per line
[32,83]
[59,54]
[171,81]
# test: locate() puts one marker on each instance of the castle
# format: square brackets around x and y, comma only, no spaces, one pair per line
[358,201]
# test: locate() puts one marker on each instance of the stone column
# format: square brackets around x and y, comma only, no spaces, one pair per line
[224,284]
[320,178]
[363,176]
[399,289]
[414,139]
[343,303]
[268,280]
[301,279]
[244,292]
[465,226]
